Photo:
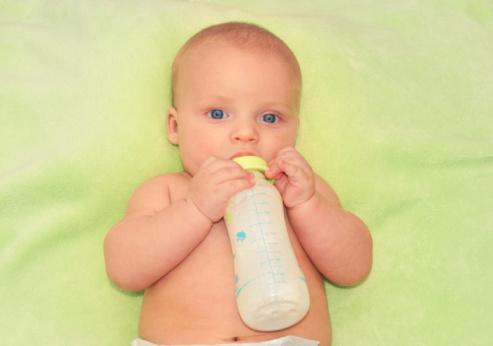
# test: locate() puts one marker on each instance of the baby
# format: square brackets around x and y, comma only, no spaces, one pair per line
[236,91]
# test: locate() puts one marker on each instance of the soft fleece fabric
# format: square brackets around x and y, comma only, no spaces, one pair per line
[397,114]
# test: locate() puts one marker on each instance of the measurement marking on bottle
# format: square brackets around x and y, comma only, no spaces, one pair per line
[260,224]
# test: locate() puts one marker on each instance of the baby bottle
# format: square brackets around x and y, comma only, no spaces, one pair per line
[271,291]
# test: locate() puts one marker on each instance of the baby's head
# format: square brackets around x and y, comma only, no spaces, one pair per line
[244,36]
[236,91]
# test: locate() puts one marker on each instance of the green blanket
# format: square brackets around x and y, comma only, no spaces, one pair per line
[397,114]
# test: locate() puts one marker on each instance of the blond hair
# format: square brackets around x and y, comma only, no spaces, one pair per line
[249,37]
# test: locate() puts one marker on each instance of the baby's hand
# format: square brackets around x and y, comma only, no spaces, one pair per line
[215,183]
[294,176]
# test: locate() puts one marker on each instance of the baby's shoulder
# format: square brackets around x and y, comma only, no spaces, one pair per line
[160,190]
[168,180]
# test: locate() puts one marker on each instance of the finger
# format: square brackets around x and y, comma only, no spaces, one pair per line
[287,150]
[230,171]
[214,164]
[274,171]
[297,171]
[287,167]
[292,156]
[233,186]
[289,164]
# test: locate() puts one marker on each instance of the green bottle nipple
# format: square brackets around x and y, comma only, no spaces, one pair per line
[253,163]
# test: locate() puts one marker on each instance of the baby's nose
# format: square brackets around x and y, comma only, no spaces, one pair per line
[245,133]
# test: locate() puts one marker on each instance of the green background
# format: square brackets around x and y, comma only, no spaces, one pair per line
[397,115]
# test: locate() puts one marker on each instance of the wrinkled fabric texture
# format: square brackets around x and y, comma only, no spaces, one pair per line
[396,114]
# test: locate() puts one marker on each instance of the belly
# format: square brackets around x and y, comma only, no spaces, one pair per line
[195,302]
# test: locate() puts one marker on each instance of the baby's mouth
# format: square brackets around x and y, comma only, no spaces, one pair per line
[242,153]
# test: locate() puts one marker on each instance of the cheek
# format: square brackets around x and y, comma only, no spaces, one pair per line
[285,138]
[196,145]
[276,143]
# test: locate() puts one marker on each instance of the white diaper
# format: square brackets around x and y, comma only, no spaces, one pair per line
[285,341]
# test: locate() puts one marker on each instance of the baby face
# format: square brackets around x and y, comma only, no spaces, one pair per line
[231,102]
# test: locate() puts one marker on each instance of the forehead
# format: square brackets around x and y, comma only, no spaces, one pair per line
[220,56]
[218,68]
[212,47]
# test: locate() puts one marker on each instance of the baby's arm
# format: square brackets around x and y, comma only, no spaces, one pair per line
[157,233]
[338,243]
[152,238]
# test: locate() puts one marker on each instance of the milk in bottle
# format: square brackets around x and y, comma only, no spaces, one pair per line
[271,291]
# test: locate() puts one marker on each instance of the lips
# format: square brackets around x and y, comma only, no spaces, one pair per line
[243,153]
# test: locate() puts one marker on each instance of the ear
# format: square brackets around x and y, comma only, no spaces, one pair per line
[172,125]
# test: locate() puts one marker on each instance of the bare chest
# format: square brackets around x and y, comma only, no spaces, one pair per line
[198,295]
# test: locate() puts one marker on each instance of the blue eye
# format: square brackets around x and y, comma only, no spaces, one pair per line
[270,118]
[217,114]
